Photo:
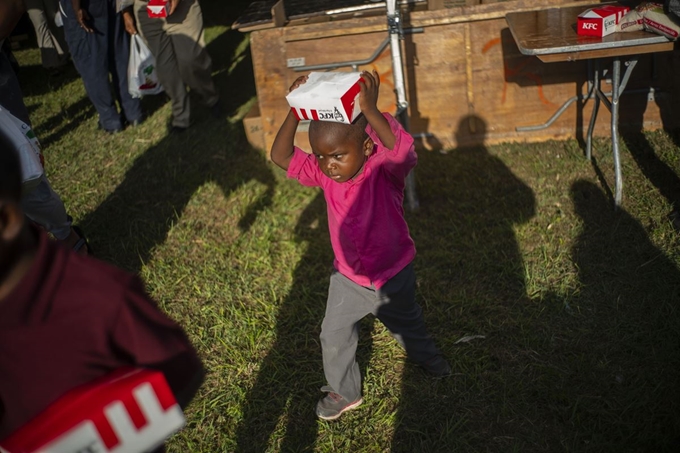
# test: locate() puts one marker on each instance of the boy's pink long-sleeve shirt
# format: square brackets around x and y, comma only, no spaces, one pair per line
[369,234]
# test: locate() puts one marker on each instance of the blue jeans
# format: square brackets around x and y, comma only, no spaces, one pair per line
[96,55]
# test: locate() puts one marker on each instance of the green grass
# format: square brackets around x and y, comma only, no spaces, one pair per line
[577,303]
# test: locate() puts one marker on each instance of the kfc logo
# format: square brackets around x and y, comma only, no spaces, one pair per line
[589,26]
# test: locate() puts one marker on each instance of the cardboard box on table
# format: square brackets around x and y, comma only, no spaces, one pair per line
[128,411]
[600,21]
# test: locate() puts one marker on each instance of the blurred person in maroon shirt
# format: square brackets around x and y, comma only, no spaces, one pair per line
[67,318]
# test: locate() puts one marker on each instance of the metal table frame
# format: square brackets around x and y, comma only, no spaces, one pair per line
[559,42]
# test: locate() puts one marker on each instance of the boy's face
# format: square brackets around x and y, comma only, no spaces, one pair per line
[339,156]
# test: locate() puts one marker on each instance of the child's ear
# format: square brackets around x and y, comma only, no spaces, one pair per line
[368,146]
[11,220]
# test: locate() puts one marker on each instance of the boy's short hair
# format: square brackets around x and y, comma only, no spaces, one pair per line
[10,170]
[355,131]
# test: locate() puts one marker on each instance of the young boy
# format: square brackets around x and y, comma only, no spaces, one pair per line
[362,169]
[66,318]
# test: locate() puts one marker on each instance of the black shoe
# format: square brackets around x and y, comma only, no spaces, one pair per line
[437,367]
[176,129]
[216,110]
[109,131]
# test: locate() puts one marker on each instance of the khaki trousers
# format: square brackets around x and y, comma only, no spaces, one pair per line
[177,42]
[53,50]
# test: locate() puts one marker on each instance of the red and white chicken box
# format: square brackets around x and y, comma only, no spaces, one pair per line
[600,21]
[327,96]
[128,411]
[157,8]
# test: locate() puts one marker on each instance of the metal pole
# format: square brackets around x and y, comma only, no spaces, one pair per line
[396,33]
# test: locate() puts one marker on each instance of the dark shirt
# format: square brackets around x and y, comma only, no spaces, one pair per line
[72,319]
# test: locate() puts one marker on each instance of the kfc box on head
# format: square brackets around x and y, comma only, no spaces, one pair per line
[157,8]
[327,96]
[128,411]
[600,21]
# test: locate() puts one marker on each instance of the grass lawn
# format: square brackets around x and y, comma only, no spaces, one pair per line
[573,306]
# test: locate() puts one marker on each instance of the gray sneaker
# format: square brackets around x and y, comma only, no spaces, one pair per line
[333,405]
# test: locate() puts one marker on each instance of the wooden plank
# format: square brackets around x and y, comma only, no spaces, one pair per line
[435,4]
[279,14]
[271,82]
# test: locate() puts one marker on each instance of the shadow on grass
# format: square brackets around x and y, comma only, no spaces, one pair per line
[622,361]
[137,215]
[649,159]
[291,374]
[470,282]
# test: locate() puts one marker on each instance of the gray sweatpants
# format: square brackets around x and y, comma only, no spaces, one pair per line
[393,304]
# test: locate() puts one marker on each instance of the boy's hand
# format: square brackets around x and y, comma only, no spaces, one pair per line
[368,101]
[368,97]
[299,81]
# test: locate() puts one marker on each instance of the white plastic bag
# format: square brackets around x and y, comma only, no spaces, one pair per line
[26,143]
[142,72]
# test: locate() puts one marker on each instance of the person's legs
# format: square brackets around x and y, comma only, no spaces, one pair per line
[43,206]
[11,97]
[51,52]
[161,47]
[398,310]
[51,11]
[185,27]
[347,304]
[118,60]
[90,53]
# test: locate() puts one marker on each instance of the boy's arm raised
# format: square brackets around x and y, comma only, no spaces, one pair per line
[368,100]
[283,148]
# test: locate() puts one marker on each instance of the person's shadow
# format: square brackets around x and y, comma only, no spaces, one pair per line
[289,377]
[469,273]
[630,331]
[138,214]
[649,160]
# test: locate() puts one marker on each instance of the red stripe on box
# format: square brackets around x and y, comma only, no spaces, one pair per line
[163,393]
[135,413]
[315,115]
[348,99]
[105,431]
[296,113]
[304,114]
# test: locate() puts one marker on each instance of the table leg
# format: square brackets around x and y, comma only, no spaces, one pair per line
[616,74]
[618,86]
[594,78]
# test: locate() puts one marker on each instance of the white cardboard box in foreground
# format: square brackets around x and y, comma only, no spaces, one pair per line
[128,411]
[327,96]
